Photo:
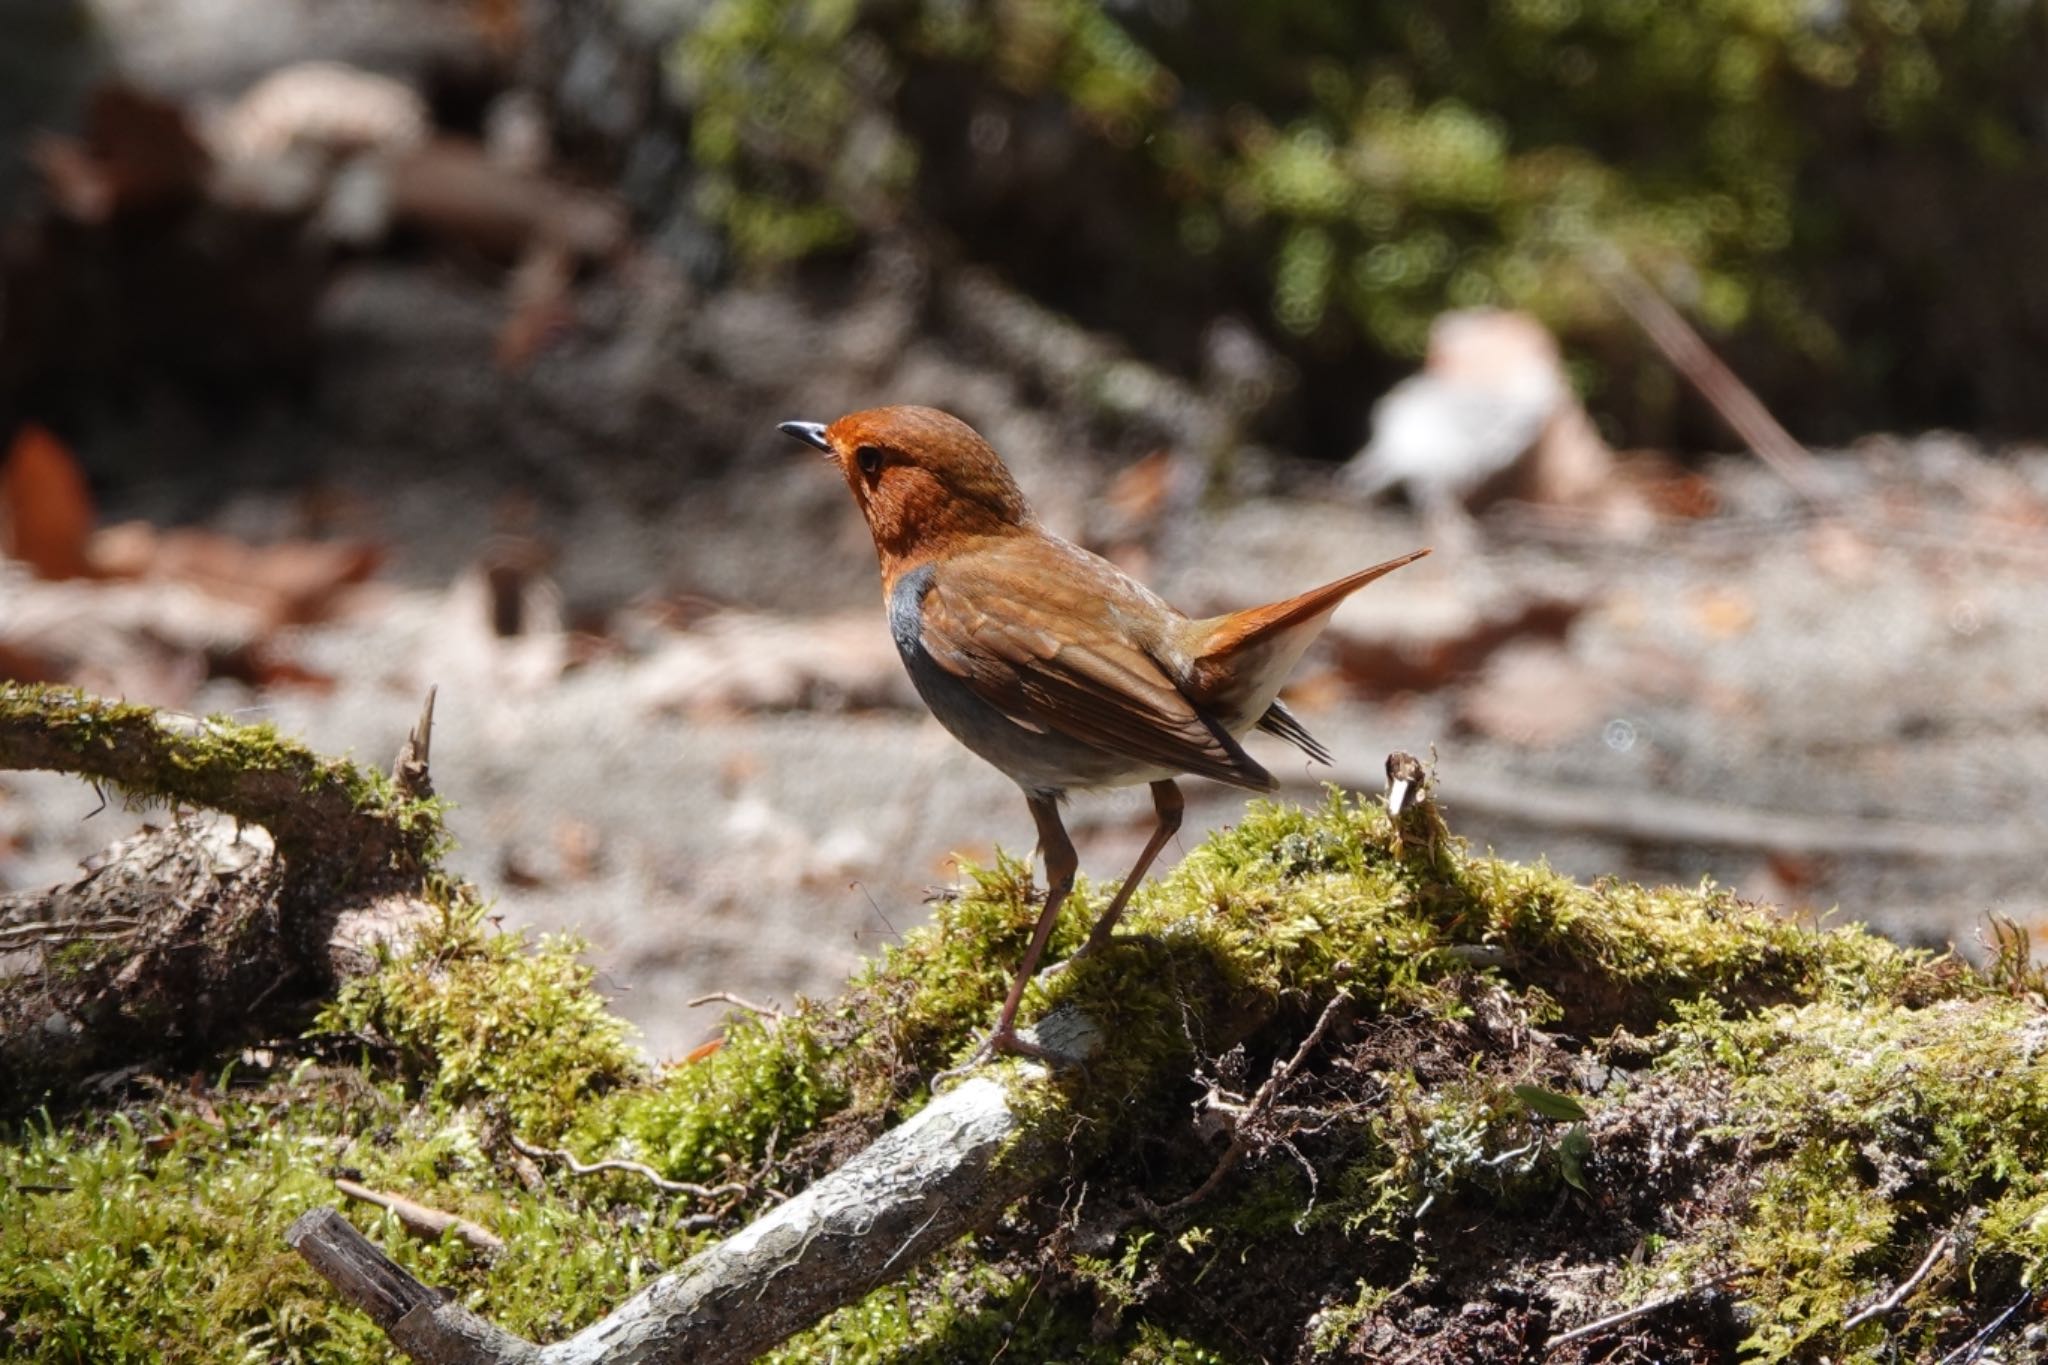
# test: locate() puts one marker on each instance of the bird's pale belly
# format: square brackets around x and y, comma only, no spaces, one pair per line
[1038,761]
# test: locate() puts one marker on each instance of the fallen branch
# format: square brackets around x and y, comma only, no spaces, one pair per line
[1651,818]
[1690,355]
[948,1170]
[221,925]
[419,1321]
[423,1221]
[324,813]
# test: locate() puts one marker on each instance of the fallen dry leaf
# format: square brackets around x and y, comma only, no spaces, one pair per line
[1841,552]
[1536,696]
[1383,668]
[744,661]
[451,189]
[1722,613]
[138,152]
[46,513]
[578,847]
[292,582]
[541,308]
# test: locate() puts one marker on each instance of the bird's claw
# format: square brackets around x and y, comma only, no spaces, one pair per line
[1005,1041]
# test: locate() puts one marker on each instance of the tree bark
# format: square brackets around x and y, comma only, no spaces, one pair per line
[950,1170]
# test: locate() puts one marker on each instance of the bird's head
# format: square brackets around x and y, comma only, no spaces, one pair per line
[923,478]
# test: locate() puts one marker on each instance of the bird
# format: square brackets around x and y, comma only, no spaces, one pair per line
[1051,663]
[1491,415]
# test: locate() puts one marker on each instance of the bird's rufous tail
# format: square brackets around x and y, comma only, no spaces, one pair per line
[1242,629]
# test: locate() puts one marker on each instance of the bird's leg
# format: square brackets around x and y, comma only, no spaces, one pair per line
[1168,802]
[1060,865]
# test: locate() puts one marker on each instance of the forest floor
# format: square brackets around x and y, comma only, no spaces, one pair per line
[698,749]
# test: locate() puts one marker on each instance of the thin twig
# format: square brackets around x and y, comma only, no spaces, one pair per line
[1973,1349]
[423,1221]
[1260,1104]
[1690,355]
[641,1169]
[1641,1310]
[1905,1287]
[740,1002]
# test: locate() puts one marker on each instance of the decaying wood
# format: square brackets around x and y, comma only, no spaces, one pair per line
[307,802]
[950,1169]
[420,1322]
[220,925]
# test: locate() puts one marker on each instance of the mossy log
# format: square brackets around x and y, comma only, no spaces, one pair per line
[948,1171]
[222,925]
[1361,1094]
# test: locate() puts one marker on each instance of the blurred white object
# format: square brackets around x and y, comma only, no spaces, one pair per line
[323,107]
[318,137]
[1492,398]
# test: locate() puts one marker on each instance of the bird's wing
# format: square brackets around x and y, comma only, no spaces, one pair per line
[1053,657]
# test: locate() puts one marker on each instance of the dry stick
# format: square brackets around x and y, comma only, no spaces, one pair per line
[1646,817]
[1641,1310]
[1973,1349]
[430,1329]
[645,1172]
[951,1168]
[1906,1286]
[1260,1103]
[1690,355]
[423,1221]
[740,1002]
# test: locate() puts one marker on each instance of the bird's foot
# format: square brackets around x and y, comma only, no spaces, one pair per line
[1005,1041]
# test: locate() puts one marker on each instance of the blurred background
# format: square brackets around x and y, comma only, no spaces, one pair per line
[352,346]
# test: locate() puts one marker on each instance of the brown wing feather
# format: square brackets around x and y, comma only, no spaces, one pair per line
[1081,680]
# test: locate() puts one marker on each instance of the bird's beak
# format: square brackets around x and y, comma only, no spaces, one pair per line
[810,433]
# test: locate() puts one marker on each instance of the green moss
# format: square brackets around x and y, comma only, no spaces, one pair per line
[1829,1102]
[152,757]
[1883,1127]
[471,1014]
[711,1119]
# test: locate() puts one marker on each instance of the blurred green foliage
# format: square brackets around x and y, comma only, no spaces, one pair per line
[1364,166]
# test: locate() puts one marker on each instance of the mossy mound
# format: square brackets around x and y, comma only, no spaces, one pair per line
[1532,1103]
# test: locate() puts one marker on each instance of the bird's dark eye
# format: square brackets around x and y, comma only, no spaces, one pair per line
[869,458]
